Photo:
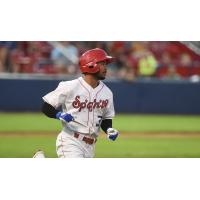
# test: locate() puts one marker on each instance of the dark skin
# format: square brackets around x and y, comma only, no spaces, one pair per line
[93,79]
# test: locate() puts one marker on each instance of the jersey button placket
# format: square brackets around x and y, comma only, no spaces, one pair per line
[89,113]
[93,110]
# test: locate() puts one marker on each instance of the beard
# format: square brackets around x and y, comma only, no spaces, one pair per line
[99,76]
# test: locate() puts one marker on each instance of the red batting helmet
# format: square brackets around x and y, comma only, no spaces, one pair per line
[88,61]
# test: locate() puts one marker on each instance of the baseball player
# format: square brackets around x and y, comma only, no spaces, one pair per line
[83,105]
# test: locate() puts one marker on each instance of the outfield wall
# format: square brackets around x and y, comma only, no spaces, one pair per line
[138,97]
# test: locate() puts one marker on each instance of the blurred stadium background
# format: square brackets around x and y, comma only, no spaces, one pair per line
[156,88]
[162,60]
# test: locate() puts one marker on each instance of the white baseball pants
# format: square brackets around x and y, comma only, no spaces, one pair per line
[67,146]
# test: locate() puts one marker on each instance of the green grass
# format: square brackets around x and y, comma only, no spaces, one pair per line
[139,123]
[149,148]
[27,122]
[24,145]
[157,123]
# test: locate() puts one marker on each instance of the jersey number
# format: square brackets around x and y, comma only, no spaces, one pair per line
[99,121]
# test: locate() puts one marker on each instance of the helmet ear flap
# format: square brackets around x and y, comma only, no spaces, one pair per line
[91,64]
[92,67]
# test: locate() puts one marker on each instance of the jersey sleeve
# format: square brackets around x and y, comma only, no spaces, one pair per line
[57,97]
[110,111]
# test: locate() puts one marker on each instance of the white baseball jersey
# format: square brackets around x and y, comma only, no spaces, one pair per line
[87,105]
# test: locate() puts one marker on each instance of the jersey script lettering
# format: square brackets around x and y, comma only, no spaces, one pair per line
[89,105]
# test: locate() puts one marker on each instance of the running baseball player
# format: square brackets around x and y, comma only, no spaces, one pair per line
[83,105]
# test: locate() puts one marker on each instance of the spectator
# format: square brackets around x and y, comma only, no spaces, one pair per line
[3,55]
[22,58]
[165,60]
[185,60]
[147,65]
[127,74]
[43,62]
[5,48]
[62,63]
[171,74]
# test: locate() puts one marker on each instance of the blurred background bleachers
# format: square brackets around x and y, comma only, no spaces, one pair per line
[162,60]
[157,77]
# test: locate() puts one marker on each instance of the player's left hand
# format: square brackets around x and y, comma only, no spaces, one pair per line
[112,134]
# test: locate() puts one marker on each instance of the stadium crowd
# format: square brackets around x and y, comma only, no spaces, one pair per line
[164,60]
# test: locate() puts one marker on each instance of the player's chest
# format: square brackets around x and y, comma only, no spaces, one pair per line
[90,101]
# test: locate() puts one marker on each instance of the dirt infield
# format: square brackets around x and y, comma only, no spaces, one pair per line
[155,134]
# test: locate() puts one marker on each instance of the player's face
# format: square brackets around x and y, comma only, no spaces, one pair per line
[101,75]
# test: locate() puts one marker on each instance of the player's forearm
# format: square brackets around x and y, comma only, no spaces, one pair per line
[105,124]
[49,110]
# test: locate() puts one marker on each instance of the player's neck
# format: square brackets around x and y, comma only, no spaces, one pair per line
[91,80]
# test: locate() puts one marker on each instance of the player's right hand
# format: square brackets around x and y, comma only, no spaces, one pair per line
[65,117]
[112,134]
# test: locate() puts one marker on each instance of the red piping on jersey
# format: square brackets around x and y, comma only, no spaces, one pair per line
[93,100]
[89,98]
[62,149]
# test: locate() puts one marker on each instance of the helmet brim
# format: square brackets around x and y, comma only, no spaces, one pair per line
[110,59]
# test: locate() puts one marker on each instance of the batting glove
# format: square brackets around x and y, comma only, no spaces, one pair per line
[65,117]
[112,134]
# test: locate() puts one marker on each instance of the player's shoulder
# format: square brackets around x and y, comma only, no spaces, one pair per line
[68,83]
[107,89]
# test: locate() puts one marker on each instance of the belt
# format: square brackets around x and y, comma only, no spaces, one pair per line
[87,140]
